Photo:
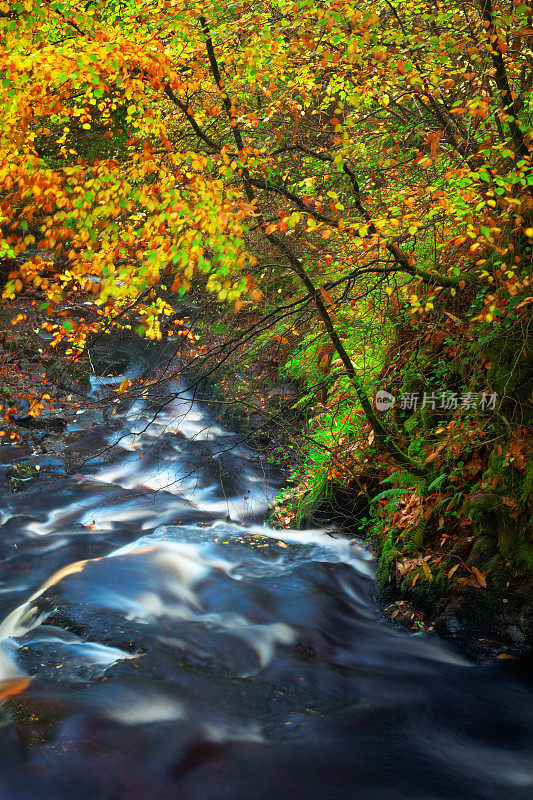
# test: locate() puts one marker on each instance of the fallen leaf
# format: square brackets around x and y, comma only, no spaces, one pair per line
[13,686]
[453,569]
[480,578]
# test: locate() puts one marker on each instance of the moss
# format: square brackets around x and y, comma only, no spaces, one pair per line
[510,377]
[428,594]
[386,572]
[17,475]
[526,495]
[502,505]
[22,471]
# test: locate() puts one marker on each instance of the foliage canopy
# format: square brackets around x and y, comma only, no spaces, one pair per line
[370,149]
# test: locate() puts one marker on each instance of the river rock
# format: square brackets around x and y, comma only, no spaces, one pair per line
[22,474]
[18,475]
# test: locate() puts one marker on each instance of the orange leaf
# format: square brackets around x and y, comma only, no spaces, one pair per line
[13,686]
[124,386]
[480,578]
[525,32]
[327,297]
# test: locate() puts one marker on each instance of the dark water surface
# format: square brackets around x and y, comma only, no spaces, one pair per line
[178,648]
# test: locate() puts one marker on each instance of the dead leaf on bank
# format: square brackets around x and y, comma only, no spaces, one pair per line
[453,569]
[480,578]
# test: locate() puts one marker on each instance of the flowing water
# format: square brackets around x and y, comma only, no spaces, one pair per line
[174,646]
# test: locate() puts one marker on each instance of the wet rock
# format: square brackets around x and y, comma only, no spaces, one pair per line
[87,418]
[18,475]
[70,378]
[53,448]
[42,422]
[448,624]
[22,471]
[14,434]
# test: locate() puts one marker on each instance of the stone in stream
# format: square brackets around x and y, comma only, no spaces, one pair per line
[20,475]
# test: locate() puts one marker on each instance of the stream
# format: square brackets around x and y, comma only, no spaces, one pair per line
[179,648]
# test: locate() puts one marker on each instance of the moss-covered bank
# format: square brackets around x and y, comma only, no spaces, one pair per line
[455,545]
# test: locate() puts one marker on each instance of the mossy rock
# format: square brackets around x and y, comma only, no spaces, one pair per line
[22,471]
[18,475]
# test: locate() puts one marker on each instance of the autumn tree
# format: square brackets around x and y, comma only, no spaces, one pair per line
[374,148]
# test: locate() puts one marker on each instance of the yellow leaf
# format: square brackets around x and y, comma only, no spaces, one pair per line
[453,570]
[124,386]
[427,571]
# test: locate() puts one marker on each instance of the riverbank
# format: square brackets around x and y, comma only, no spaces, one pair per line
[454,548]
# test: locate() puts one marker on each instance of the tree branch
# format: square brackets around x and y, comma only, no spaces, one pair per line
[194,125]
[502,82]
